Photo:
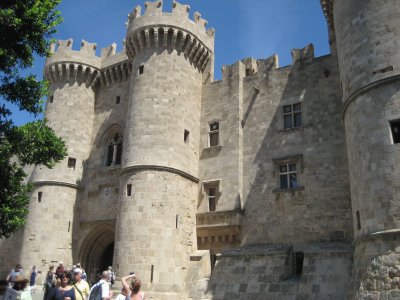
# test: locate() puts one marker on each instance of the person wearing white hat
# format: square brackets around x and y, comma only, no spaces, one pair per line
[81,287]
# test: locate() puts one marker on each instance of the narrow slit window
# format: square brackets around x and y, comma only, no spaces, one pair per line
[51,99]
[177,222]
[71,163]
[395,128]
[129,190]
[212,203]
[69,226]
[152,273]
[40,196]
[358,220]
[117,100]
[186,136]
[213,138]
[141,69]
[298,263]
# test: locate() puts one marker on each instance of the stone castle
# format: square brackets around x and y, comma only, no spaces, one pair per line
[272,183]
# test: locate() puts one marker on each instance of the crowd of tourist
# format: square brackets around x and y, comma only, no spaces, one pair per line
[63,284]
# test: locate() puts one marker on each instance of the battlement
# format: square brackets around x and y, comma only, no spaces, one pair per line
[327,7]
[175,30]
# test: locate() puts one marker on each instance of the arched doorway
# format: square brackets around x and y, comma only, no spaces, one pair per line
[97,251]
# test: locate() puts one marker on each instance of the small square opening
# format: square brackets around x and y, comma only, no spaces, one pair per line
[71,163]
[141,69]
[395,128]
[117,100]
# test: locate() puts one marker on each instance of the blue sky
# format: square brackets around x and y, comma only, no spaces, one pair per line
[244,28]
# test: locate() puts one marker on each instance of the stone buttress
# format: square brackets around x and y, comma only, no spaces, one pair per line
[367,35]
[171,56]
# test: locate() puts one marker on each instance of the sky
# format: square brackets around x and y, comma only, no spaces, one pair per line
[244,28]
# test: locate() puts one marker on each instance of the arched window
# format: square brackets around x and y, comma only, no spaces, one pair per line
[114,151]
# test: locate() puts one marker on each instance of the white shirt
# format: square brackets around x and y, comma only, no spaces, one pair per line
[105,288]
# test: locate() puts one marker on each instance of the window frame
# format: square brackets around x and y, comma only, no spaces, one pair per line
[214,132]
[212,185]
[292,113]
[296,160]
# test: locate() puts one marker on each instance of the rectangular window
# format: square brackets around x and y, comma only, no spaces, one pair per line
[71,163]
[186,136]
[129,190]
[298,263]
[358,220]
[288,176]
[395,128]
[213,133]
[119,154]
[292,116]
[117,100]
[141,69]
[39,196]
[212,203]
[110,154]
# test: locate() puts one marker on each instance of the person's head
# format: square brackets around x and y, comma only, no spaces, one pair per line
[61,264]
[33,267]
[65,278]
[51,268]
[135,285]
[78,265]
[3,286]
[123,292]
[77,274]
[109,268]
[18,267]
[105,275]
[20,283]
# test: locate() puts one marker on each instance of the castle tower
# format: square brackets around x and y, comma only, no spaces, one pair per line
[367,38]
[70,112]
[171,57]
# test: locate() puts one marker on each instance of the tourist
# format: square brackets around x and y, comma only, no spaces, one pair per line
[123,295]
[54,293]
[21,286]
[133,290]
[81,287]
[32,279]
[67,291]
[49,280]
[111,276]
[7,293]
[17,271]
[60,269]
[106,294]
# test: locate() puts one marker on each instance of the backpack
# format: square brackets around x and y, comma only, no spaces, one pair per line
[96,292]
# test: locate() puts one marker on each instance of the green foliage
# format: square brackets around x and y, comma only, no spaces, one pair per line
[26,27]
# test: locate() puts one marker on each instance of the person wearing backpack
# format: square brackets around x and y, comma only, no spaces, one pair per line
[101,290]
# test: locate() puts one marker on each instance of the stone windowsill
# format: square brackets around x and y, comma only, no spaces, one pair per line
[290,190]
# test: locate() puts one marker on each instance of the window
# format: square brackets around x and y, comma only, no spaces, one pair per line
[186,136]
[212,195]
[292,116]
[358,220]
[51,99]
[298,263]
[114,151]
[71,163]
[129,190]
[40,196]
[141,69]
[395,128]
[117,100]
[213,134]
[288,176]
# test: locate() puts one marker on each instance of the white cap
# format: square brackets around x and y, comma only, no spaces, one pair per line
[77,270]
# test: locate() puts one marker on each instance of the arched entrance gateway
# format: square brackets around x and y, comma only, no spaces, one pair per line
[97,250]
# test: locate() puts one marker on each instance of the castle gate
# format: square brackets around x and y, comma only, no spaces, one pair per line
[97,250]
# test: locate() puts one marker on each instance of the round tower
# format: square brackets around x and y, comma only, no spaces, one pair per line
[171,56]
[367,42]
[70,112]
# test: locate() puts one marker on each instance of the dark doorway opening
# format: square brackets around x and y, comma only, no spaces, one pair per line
[107,257]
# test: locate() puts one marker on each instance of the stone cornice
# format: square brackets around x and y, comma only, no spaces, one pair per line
[159,168]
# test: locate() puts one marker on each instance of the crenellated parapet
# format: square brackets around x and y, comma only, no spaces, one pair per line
[327,7]
[84,66]
[176,31]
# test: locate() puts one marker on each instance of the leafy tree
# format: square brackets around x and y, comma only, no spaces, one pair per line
[26,27]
